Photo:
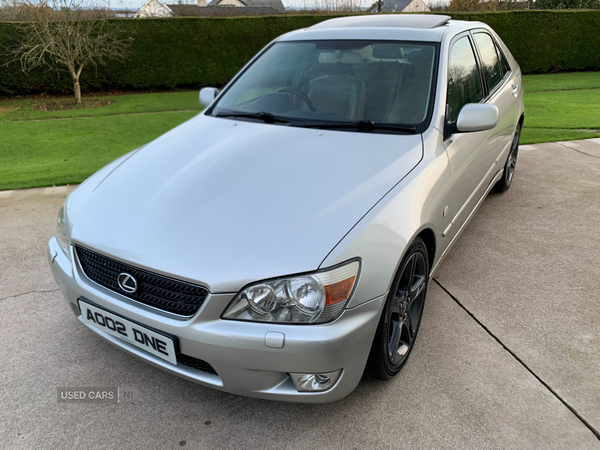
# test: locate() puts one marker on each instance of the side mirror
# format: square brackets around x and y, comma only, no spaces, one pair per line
[207,95]
[477,117]
[473,117]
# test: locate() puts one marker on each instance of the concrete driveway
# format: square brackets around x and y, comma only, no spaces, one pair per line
[508,355]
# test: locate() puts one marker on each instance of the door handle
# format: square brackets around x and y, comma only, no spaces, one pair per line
[515,90]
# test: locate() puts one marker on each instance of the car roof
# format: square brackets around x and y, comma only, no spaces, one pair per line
[409,27]
[421,21]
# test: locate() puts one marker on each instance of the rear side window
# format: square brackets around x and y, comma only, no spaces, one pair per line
[503,62]
[489,59]
[464,82]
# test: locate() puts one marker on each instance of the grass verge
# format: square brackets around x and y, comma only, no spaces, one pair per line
[33,109]
[537,135]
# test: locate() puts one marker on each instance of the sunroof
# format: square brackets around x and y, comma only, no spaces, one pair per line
[423,21]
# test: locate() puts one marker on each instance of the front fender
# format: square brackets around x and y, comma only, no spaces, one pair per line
[382,236]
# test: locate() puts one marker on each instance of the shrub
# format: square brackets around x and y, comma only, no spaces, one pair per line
[544,41]
[191,52]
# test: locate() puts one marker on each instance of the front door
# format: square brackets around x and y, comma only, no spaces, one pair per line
[471,155]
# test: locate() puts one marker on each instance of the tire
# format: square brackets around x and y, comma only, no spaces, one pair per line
[401,316]
[511,162]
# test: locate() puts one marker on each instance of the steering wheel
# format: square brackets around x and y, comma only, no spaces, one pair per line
[307,100]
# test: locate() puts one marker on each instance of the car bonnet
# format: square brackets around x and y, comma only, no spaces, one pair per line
[224,203]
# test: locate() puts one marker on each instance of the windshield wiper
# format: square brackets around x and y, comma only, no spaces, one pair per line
[361,125]
[264,116]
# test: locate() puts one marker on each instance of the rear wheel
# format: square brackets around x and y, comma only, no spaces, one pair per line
[401,316]
[511,162]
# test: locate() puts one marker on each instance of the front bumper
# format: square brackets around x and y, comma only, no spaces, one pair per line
[237,350]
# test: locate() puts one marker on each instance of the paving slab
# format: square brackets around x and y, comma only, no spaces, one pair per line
[528,267]
[459,390]
[27,221]
[589,147]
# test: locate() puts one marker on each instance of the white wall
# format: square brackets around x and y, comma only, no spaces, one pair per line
[416,6]
[154,8]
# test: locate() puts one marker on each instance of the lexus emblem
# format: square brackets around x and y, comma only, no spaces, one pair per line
[127,283]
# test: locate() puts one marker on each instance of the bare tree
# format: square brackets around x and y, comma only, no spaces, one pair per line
[473,5]
[333,6]
[66,35]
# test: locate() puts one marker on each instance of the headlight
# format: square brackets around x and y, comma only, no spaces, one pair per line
[312,298]
[61,231]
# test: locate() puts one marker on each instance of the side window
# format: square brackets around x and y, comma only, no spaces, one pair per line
[464,82]
[489,59]
[503,62]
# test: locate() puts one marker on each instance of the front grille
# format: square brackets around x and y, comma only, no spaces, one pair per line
[195,363]
[155,290]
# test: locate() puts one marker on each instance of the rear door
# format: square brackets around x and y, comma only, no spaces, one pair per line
[502,90]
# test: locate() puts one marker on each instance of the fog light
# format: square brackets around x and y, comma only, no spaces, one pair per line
[315,382]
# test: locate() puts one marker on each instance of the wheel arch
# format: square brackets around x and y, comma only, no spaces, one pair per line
[378,363]
[428,237]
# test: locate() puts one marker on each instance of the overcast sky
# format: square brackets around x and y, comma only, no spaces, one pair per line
[135,4]
[297,4]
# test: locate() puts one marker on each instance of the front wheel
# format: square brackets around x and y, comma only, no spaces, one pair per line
[511,162]
[401,315]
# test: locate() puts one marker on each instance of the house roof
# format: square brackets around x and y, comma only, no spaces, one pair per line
[277,5]
[148,2]
[395,5]
[220,11]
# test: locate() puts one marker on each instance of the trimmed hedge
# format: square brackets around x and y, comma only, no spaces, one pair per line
[190,52]
[543,41]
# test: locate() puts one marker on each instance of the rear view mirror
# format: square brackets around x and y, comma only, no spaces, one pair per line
[477,117]
[339,57]
[207,95]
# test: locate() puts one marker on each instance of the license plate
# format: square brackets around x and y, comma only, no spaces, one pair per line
[138,335]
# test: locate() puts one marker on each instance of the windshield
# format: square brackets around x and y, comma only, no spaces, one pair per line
[341,82]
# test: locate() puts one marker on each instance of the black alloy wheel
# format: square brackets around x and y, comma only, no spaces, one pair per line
[511,162]
[399,323]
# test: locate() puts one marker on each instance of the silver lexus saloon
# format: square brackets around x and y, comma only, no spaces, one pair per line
[280,243]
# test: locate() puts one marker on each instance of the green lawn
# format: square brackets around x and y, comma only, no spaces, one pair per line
[562,81]
[53,147]
[561,107]
[45,148]
[54,152]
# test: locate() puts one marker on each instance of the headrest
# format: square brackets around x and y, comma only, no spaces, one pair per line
[337,70]
[387,52]
[422,61]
